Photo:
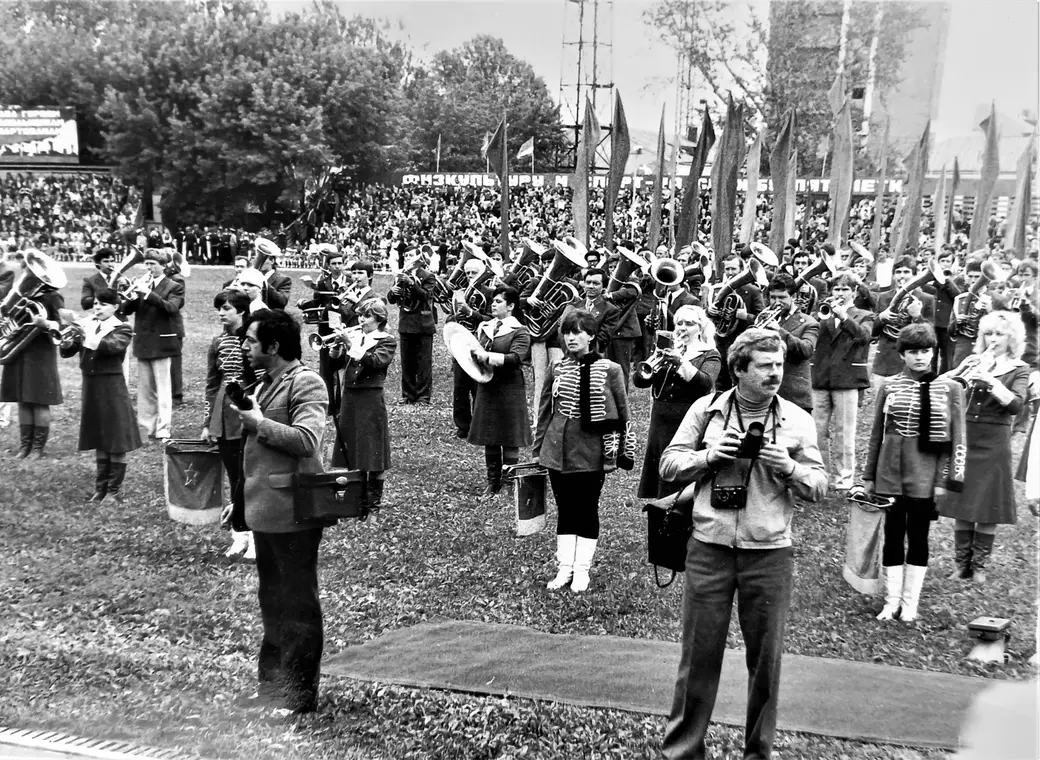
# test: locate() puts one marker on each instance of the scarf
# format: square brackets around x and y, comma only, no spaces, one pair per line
[924,420]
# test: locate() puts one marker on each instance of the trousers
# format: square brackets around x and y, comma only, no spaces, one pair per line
[155,397]
[416,367]
[837,410]
[289,663]
[543,356]
[463,392]
[762,581]
[910,519]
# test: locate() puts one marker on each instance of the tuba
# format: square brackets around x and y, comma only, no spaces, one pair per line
[526,267]
[552,294]
[403,289]
[475,299]
[858,253]
[666,273]
[21,307]
[456,280]
[900,300]
[966,311]
[726,302]
[828,263]
[118,281]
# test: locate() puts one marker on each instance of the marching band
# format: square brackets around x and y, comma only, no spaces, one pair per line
[666,319]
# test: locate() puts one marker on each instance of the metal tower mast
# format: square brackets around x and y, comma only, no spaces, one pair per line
[586,71]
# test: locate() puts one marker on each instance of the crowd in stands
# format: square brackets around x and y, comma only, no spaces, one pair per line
[69,215]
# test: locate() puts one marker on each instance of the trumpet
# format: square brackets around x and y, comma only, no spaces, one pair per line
[826,310]
[645,370]
[770,315]
[324,342]
[70,334]
[973,366]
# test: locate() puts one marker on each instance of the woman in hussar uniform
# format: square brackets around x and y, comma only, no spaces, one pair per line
[107,421]
[997,385]
[363,421]
[688,372]
[500,421]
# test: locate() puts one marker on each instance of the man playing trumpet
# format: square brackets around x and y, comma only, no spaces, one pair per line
[799,333]
[413,293]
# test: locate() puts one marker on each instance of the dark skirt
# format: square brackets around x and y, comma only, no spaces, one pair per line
[500,416]
[665,418]
[107,421]
[365,428]
[32,377]
[989,489]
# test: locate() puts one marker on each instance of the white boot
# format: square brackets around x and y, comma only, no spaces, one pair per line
[583,554]
[913,580]
[565,557]
[893,592]
[239,542]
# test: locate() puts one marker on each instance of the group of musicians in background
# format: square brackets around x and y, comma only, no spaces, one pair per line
[591,322]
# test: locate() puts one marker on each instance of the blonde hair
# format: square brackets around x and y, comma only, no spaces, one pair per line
[1008,323]
[700,317]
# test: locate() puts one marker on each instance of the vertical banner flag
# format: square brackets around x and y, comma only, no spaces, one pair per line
[910,230]
[689,213]
[724,185]
[841,162]
[484,151]
[620,147]
[1018,219]
[498,157]
[939,212]
[673,189]
[754,161]
[792,196]
[655,212]
[584,165]
[779,167]
[987,180]
[953,194]
[879,197]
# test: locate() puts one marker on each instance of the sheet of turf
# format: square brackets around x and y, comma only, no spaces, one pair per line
[876,703]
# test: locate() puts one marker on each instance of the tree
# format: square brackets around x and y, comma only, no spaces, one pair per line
[462,95]
[789,62]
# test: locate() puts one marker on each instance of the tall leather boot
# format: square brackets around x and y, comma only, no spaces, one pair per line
[116,474]
[100,482]
[39,440]
[961,555]
[565,545]
[375,498]
[584,551]
[981,548]
[893,592]
[493,460]
[913,581]
[25,439]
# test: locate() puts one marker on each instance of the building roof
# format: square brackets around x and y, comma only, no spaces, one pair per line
[968,152]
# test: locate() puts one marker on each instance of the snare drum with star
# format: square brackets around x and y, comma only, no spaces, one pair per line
[193,481]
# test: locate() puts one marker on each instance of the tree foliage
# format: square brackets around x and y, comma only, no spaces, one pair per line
[788,60]
[228,111]
[463,94]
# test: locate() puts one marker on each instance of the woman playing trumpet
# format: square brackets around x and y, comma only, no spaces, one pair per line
[363,425]
[688,371]
[997,382]
[107,421]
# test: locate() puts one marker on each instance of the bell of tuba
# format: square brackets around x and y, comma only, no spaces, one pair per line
[21,307]
[553,293]
[629,262]
[525,268]
[827,264]
[966,309]
[263,250]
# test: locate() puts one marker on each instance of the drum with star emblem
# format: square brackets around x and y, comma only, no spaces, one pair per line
[193,480]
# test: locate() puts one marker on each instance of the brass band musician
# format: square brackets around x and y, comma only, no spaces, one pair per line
[413,294]
[469,307]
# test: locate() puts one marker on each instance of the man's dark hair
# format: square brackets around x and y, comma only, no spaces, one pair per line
[846,279]
[917,335]
[782,281]
[275,326]
[905,263]
[363,266]
[103,253]
[594,271]
[238,299]
[107,295]
[577,321]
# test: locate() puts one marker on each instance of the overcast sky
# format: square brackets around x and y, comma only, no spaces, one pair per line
[992,49]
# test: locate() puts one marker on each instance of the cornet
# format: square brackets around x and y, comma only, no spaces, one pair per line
[324,342]
[68,335]
[973,366]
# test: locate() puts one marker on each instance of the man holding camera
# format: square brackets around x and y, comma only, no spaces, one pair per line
[745,453]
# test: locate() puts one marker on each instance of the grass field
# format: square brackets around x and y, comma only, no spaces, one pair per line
[120,623]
